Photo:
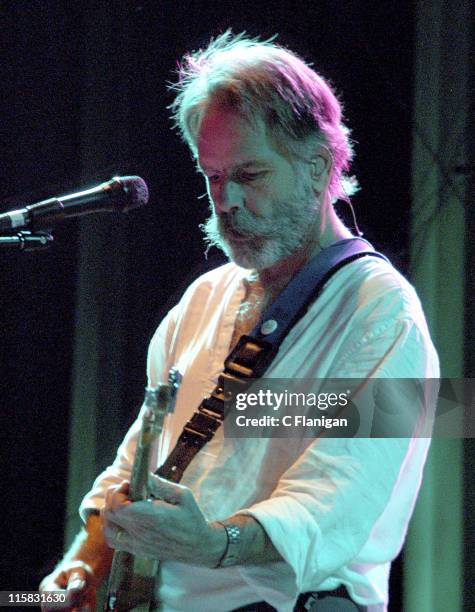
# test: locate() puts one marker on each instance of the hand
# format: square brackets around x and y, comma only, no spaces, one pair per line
[171,527]
[77,580]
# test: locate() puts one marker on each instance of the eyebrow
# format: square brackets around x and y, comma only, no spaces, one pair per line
[243,166]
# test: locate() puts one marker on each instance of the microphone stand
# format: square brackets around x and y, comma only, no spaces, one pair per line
[27,241]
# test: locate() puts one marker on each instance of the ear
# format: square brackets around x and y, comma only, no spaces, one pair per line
[320,169]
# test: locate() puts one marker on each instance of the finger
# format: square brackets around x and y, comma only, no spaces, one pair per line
[123,517]
[77,581]
[56,581]
[124,487]
[76,587]
[50,584]
[117,496]
[115,490]
[170,492]
[54,584]
[121,540]
[53,606]
[115,533]
[111,533]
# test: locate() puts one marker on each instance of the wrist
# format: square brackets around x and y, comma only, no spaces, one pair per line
[218,544]
[231,554]
[252,546]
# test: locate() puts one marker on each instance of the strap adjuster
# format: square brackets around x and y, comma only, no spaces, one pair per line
[203,425]
[250,357]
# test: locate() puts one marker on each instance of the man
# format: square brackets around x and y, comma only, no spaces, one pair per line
[256,522]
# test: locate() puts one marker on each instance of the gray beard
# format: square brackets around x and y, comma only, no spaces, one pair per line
[268,240]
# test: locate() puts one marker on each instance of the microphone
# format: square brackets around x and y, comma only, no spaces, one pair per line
[122,193]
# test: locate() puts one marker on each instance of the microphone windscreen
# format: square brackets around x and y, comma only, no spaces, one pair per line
[136,190]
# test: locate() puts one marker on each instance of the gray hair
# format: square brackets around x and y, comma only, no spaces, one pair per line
[260,79]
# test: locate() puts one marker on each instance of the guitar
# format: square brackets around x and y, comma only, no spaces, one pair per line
[131,578]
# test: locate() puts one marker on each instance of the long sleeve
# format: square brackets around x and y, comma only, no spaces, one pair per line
[345,503]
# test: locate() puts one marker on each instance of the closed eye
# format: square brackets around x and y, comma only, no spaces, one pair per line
[239,177]
[249,177]
[214,178]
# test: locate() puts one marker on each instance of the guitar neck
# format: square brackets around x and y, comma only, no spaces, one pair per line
[131,579]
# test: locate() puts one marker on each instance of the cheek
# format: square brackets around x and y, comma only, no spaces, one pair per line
[264,203]
[258,199]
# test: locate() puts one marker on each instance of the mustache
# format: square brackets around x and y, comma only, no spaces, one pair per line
[244,222]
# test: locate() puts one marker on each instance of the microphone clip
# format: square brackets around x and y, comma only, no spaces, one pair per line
[27,241]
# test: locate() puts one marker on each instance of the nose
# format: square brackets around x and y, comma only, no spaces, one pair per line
[229,197]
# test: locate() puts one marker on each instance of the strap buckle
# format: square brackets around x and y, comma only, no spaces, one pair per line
[250,357]
[203,425]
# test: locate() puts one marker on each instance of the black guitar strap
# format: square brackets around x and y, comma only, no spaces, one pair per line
[253,353]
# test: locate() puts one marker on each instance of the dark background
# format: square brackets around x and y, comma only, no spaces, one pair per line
[46,106]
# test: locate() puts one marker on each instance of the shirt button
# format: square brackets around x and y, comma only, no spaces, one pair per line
[269,326]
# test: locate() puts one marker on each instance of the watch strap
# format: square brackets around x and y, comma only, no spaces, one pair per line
[231,552]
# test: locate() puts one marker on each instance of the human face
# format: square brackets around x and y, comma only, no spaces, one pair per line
[263,207]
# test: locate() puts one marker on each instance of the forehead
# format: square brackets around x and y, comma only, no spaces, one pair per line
[226,140]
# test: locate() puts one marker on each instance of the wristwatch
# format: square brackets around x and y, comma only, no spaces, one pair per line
[231,553]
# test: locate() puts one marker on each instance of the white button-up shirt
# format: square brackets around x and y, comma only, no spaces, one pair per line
[337,510]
